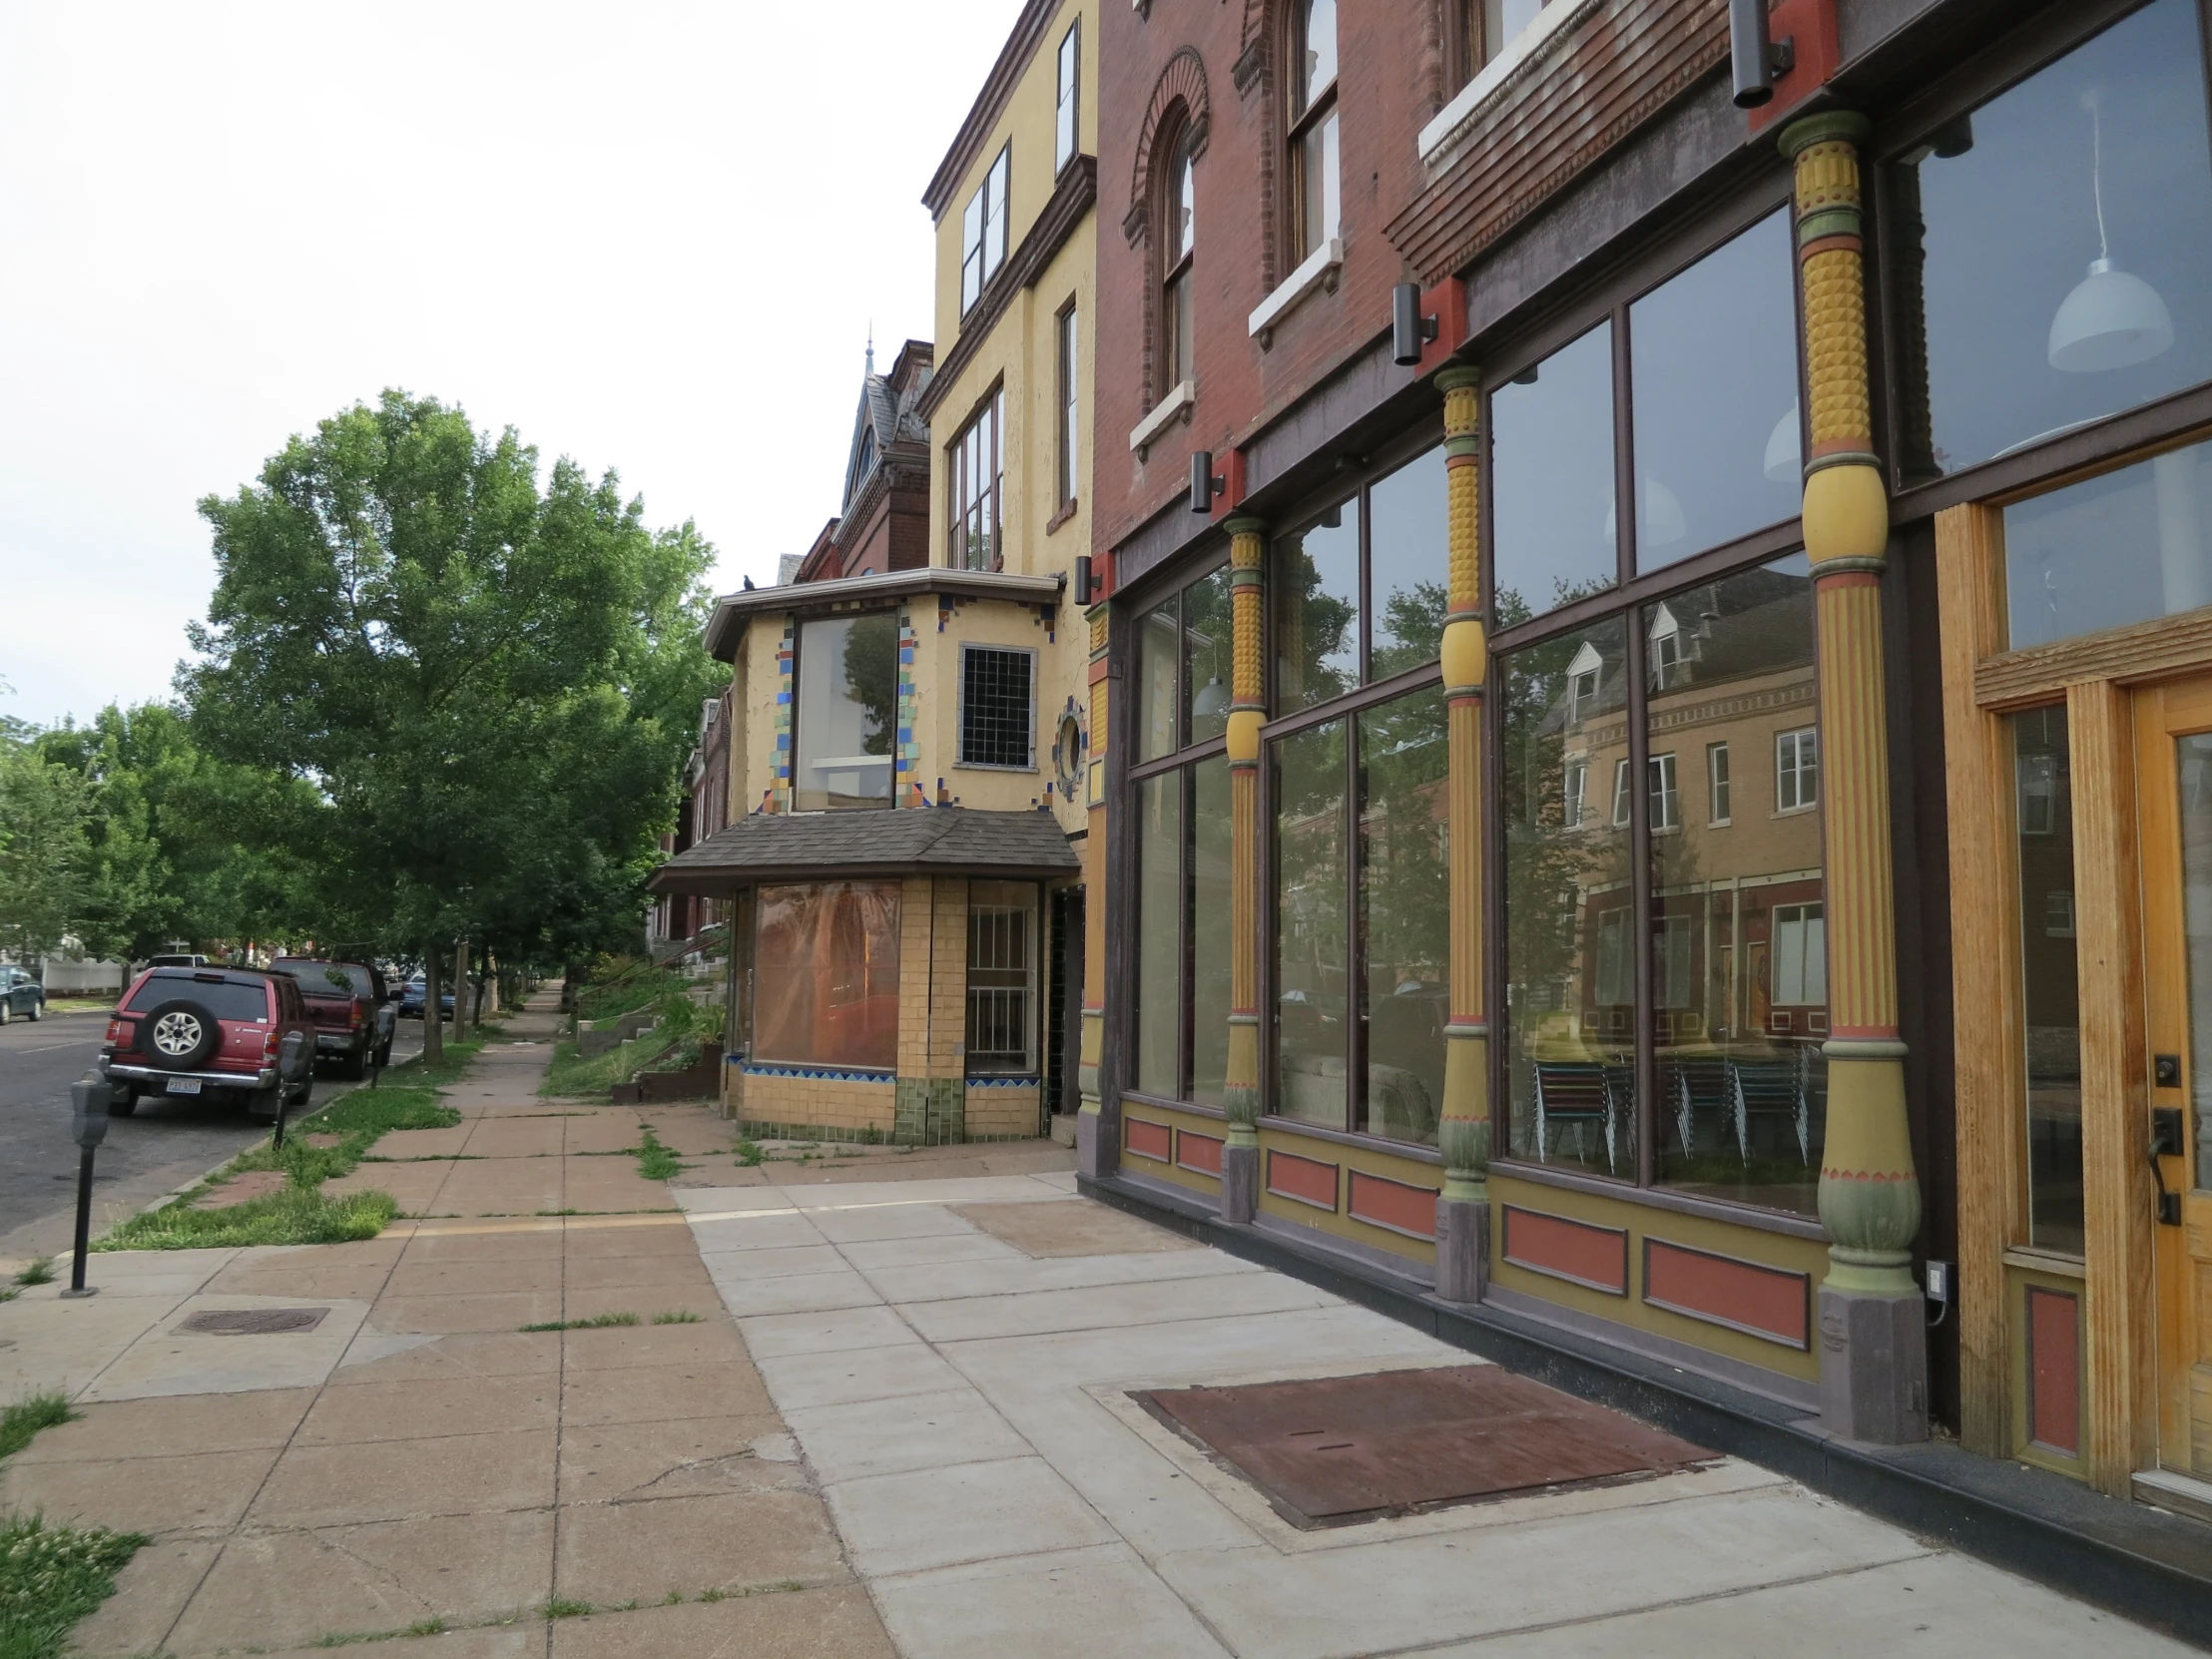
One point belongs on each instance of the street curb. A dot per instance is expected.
(2142, 1563)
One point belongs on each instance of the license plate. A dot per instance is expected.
(184, 1085)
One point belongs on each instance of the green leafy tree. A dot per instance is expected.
(43, 809)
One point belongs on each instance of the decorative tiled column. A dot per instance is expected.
(1873, 1333)
(1240, 1159)
(1464, 1126)
(1095, 1154)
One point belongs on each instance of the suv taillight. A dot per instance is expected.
(271, 1041)
(119, 1032)
(360, 1013)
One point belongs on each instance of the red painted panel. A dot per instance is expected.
(2054, 1370)
(1198, 1152)
(1593, 1255)
(1148, 1140)
(1767, 1301)
(1394, 1204)
(1304, 1179)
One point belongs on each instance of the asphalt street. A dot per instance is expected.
(168, 1143)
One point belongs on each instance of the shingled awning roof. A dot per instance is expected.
(914, 840)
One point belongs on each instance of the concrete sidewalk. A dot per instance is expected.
(956, 1358)
(416, 1459)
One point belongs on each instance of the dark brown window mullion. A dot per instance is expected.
(1187, 936)
(1490, 861)
(1627, 509)
(1365, 593)
(1356, 927)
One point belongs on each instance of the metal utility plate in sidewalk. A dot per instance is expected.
(1337, 1450)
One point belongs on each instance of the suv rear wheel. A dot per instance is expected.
(179, 1033)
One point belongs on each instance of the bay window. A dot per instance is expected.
(846, 712)
(826, 974)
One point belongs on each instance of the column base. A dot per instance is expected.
(1096, 1153)
(1462, 1249)
(1874, 1366)
(1240, 1183)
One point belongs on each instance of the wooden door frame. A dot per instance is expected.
(1983, 683)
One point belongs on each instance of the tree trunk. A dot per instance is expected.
(460, 987)
(433, 1029)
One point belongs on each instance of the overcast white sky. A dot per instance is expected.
(647, 233)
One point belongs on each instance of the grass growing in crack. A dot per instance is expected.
(348, 1638)
(52, 1576)
(680, 1316)
(654, 1161)
(40, 1272)
(20, 1421)
(301, 1212)
(560, 1607)
(750, 1152)
(597, 1321)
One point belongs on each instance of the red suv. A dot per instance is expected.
(344, 1001)
(209, 1031)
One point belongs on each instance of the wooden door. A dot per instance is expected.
(2173, 755)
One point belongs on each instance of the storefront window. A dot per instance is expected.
(2127, 546)
(826, 974)
(1159, 635)
(1551, 479)
(1739, 938)
(1159, 934)
(1317, 610)
(2050, 978)
(1405, 933)
(2050, 249)
(1360, 592)
(1409, 564)
(1571, 1015)
(1211, 932)
(1714, 388)
(1311, 932)
(1002, 977)
(847, 671)
(1209, 641)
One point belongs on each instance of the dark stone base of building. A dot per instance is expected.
(2140, 1563)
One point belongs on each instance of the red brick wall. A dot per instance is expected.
(1391, 81)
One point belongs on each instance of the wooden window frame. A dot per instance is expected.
(988, 207)
(1067, 98)
(1306, 115)
(1066, 350)
(1176, 296)
(965, 493)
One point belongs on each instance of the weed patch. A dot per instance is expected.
(560, 1607)
(680, 1316)
(40, 1272)
(52, 1576)
(20, 1421)
(597, 1321)
(293, 1215)
(750, 1152)
(654, 1161)
(422, 1627)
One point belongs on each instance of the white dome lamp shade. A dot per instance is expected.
(1664, 525)
(1212, 701)
(2112, 318)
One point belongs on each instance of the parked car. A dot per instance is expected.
(177, 961)
(411, 997)
(344, 999)
(20, 994)
(226, 1032)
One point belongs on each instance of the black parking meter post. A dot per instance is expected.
(89, 1098)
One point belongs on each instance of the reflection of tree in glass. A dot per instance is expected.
(1413, 620)
(1210, 637)
(1402, 830)
(1309, 780)
(871, 679)
(1314, 629)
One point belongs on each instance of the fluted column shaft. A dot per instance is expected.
(1873, 1352)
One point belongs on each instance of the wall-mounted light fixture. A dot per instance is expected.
(1754, 56)
(1206, 483)
(1082, 578)
(1410, 330)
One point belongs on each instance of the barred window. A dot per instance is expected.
(995, 703)
(1001, 976)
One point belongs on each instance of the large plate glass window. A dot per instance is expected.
(2049, 249)
(1709, 406)
(1182, 934)
(1666, 953)
(847, 670)
(826, 974)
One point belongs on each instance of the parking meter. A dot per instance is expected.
(293, 1062)
(388, 1025)
(89, 1099)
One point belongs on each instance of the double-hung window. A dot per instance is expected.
(1066, 136)
(1314, 128)
(1066, 356)
(983, 230)
(1796, 769)
(1178, 248)
(977, 472)
(1716, 784)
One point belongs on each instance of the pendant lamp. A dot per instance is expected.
(1212, 699)
(2113, 319)
(1664, 523)
(1785, 457)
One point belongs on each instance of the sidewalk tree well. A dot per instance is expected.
(489, 672)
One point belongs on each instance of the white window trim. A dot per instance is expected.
(1319, 269)
(1814, 804)
(1179, 400)
(1712, 785)
(1442, 136)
